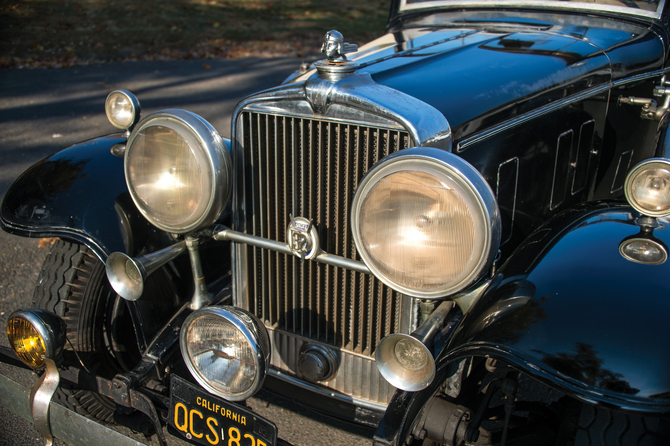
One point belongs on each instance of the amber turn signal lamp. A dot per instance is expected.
(35, 334)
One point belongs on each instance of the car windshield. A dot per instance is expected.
(651, 8)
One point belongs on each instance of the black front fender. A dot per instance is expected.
(570, 310)
(567, 309)
(79, 194)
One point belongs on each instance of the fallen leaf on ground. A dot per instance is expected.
(47, 242)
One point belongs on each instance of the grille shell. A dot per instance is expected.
(309, 167)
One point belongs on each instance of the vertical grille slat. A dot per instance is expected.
(264, 211)
(312, 295)
(255, 224)
(288, 203)
(311, 168)
(277, 302)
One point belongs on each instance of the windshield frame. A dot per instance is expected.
(580, 6)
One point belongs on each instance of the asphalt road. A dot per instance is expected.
(43, 111)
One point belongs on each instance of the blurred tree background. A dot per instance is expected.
(63, 33)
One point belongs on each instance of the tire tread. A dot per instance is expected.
(600, 426)
(69, 276)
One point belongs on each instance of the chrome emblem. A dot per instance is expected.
(302, 238)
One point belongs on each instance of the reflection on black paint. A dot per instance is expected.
(524, 317)
(514, 301)
(584, 365)
(31, 197)
(529, 46)
(56, 177)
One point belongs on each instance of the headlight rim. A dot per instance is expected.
(633, 175)
(251, 332)
(469, 178)
(212, 149)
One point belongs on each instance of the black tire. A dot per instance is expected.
(73, 285)
(599, 426)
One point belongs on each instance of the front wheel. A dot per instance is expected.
(73, 285)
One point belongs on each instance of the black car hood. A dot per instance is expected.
(482, 70)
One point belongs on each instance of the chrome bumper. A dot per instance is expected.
(66, 425)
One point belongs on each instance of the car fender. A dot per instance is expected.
(569, 310)
(79, 194)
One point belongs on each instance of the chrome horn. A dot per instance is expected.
(127, 274)
(405, 361)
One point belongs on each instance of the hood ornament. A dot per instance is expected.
(336, 49)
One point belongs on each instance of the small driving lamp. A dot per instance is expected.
(36, 334)
(122, 109)
(647, 187)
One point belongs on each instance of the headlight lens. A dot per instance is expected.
(648, 187)
(122, 109)
(178, 171)
(227, 351)
(34, 334)
(426, 222)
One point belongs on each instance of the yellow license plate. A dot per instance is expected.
(201, 418)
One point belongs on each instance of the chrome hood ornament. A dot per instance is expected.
(336, 49)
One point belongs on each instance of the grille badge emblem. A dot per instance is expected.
(302, 238)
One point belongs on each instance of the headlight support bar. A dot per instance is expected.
(222, 233)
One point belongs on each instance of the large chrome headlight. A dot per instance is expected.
(647, 187)
(426, 222)
(178, 171)
(227, 351)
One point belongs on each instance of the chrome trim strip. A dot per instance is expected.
(640, 77)
(361, 93)
(302, 109)
(466, 143)
(221, 233)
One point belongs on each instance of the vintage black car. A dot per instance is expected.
(456, 233)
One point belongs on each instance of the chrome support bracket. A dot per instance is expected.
(222, 233)
(201, 296)
(40, 399)
(650, 108)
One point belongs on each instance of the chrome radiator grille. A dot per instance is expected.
(311, 168)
